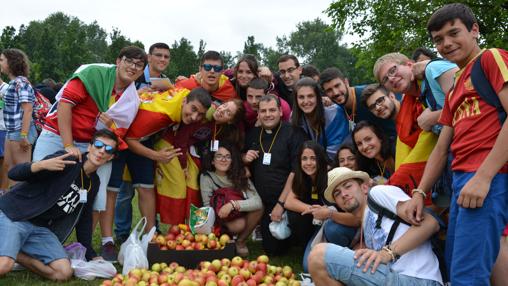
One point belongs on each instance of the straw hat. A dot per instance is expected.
(339, 175)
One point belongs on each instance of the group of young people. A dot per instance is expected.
(293, 144)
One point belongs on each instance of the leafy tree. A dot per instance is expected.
(118, 41)
(253, 48)
(318, 44)
(183, 59)
(201, 50)
(386, 26)
(229, 59)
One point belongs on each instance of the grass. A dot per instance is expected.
(25, 277)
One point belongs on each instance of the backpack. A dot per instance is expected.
(40, 110)
(437, 240)
(222, 196)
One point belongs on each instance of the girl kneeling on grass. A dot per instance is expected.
(225, 169)
(307, 207)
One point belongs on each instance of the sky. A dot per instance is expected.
(223, 25)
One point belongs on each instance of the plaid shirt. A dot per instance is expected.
(19, 91)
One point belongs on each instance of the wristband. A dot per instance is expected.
(420, 191)
(389, 250)
(68, 145)
(330, 213)
(281, 203)
(23, 134)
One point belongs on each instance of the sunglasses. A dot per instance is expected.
(107, 148)
(209, 67)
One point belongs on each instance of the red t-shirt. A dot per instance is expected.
(84, 112)
(476, 124)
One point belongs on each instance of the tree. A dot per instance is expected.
(386, 26)
(183, 59)
(253, 48)
(318, 44)
(118, 41)
(228, 58)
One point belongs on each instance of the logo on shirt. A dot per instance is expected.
(69, 201)
(468, 108)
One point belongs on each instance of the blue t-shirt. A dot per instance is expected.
(432, 72)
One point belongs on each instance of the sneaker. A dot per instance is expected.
(241, 249)
(18, 267)
(256, 234)
(120, 239)
(108, 252)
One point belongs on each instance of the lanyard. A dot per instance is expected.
(353, 109)
(381, 170)
(273, 140)
(215, 132)
(82, 183)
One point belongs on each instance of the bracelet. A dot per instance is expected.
(23, 134)
(233, 205)
(330, 213)
(419, 191)
(388, 249)
(68, 145)
(281, 203)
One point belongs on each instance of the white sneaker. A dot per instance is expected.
(256, 234)
(18, 267)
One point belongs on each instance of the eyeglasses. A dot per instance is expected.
(139, 65)
(289, 70)
(209, 67)
(220, 157)
(376, 103)
(107, 148)
(159, 55)
(391, 73)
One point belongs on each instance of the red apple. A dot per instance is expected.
(212, 244)
(216, 265)
(236, 280)
(251, 282)
(189, 237)
(174, 230)
(226, 262)
(261, 267)
(237, 261)
(263, 259)
(258, 276)
(245, 273)
(171, 244)
(179, 247)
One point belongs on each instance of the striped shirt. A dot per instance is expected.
(19, 91)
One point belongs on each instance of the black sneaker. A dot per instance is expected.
(108, 252)
(120, 239)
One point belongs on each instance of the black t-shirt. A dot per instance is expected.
(66, 204)
(269, 180)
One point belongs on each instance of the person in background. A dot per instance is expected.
(346, 157)
(18, 106)
(423, 54)
(310, 71)
(4, 180)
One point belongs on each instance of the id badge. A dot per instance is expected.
(82, 195)
(214, 145)
(267, 158)
(352, 125)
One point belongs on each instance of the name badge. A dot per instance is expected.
(352, 125)
(214, 145)
(82, 195)
(267, 158)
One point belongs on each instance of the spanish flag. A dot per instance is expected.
(225, 92)
(157, 111)
(413, 147)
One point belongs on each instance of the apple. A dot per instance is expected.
(212, 244)
(173, 265)
(268, 279)
(216, 264)
(226, 278)
(251, 282)
(199, 246)
(258, 276)
(224, 239)
(280, 283)
(226, 262)
(211, 283)
(178, 277)
(236, 280)
(189, 237)
(243, 283)
(162, 278)
(171, 244)
(263, 259)
(287, 271)
(233, 271)
(180, 269)
(211, 236)
(145, 277)
(164, 247)
(174, 230)
(179, 238)
(272, 269)
(156, 267)
(245, 273)
(252, 266)
(187, 282)
(222, 283)
(189, 248)
(153, 280)
(179, 247)
(237, 261)
(142, 283)
(170, 236)
(261, 267)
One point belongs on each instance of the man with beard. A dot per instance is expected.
(407, 259)
(336, 87)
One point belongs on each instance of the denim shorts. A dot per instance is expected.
(2, 142)
(341, 266)
(16, 135)
(35, 241)
(142, 169)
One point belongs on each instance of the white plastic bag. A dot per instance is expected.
(92, 269)
(133, 251)
(280, 229)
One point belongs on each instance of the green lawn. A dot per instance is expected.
(293, 259)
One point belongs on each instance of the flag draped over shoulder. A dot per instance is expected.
(413, 147)
(157, 111)
(225, 92)
(99, 80)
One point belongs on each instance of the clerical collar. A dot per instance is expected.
(268, 131)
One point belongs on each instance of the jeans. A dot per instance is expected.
(123, 210)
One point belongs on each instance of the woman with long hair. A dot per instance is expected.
(244, 71)
(326, 125)
(307, 208)
(225, 169)
(375, 152)
(346, 157)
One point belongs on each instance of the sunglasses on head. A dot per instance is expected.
(107, 148)
(209, 67)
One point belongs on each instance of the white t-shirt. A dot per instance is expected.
(420, 262)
